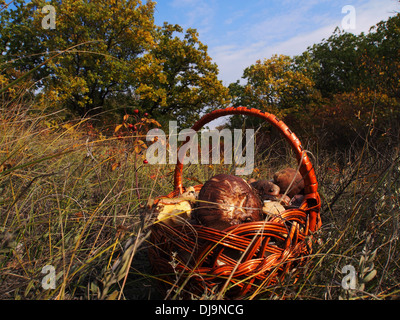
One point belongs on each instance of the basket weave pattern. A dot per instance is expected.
(243, 259)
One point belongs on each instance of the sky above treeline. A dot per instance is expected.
(238, 32)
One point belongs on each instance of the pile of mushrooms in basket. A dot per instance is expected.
(227, 200)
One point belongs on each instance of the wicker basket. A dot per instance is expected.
(197, 260)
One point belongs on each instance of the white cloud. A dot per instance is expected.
(373, 12)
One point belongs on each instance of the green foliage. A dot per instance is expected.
(348, 62)
(276, 85)
(338, 58)
(19, 45)
(108, 41)
(187, 82)
(109, 55)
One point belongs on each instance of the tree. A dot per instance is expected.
(18, 39)
(102, 43)
(338, 58)
(358, 78)
(348, 62)
(339, 92)
(381, 57)
(107, 52)
(110, 40)
(188, 82)
(277, 85)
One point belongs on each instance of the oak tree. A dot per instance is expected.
(109, 54)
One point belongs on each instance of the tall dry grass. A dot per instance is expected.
(69, 198)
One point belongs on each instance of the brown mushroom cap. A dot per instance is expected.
(265, 188)
(227, 200)
(284, 178)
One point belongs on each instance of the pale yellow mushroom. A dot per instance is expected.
(273, 208)
(174, 213)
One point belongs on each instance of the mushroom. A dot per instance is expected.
(190, 194)
(175, 211)
(289, 181)
(227, 200)
(273, 208)
(267, 190)
(297, 200)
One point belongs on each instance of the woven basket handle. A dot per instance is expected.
(306, 168)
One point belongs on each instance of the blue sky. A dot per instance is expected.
(239, 32)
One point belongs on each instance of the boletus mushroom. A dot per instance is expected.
(269, 191)
(289, 180)
(226, 200)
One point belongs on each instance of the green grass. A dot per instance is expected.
(71, 197)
